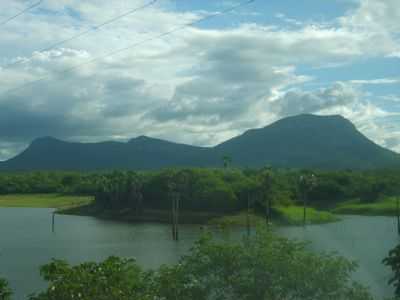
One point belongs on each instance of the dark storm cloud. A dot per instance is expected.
(72, 106)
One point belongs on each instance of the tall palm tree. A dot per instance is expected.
(267, 191)
(307, 183)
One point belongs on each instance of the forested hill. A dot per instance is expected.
(304, 141)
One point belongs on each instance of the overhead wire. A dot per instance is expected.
(20, 13)
(134, 45)
(93, 28)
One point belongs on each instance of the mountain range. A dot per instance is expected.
(303, 141)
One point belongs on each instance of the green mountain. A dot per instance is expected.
(309, 141)
(304, 141)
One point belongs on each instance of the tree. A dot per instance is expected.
(260, 268)
(5, 292)
(393, 261)
(266, 188)
(307, 183)
(112, 279)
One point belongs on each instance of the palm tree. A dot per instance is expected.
(266, 180)
(307, 183)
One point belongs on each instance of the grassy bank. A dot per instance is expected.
(293, 215)
(43, 200)
(282, 215)
(386, 207)
(239, 219)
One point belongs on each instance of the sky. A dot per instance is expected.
(196, 72)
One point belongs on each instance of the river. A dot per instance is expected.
(27, 242)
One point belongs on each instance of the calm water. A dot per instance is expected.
(26, 242)
(366, 240)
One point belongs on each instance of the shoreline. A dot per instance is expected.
(290, 216)
(148, 215)
(384, 208)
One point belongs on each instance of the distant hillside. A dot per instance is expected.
(310, 141)
(328, 142)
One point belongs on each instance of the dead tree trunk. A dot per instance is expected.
(398, 215)
(248, 216)
(304, 208)
(52, 222)
(175, 216)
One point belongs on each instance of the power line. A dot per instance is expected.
(20, 13)
(94, 28)
(134, 45)
(100, 25)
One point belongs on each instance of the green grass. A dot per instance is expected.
(386, 207)
(293, 215)
(284, 215)
(43, 200)
(239, 219)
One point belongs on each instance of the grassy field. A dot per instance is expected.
(386, 207)
(43, 200)
(293, 215)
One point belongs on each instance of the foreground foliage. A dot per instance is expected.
(393, 261)
(5, 292)
(262, 267)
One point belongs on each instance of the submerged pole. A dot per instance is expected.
(52, 222)
(173, 218)
(304, 210)
(248, 216)
(398, 215)
(177, 218)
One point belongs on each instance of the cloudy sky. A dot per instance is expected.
(196, 72)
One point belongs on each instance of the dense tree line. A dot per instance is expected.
(263, 266)
(207, 189)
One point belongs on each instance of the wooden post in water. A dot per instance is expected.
(304, 209)
(175, 216)
(52, 222)
(177, 198)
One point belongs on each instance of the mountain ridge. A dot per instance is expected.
(302, 141)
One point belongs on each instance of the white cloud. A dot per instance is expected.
(198, 86)
(376, 81)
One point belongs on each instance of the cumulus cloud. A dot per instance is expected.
(199, 85)
(299, 102)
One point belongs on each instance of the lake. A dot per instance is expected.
(364, 239)
(27, 242)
